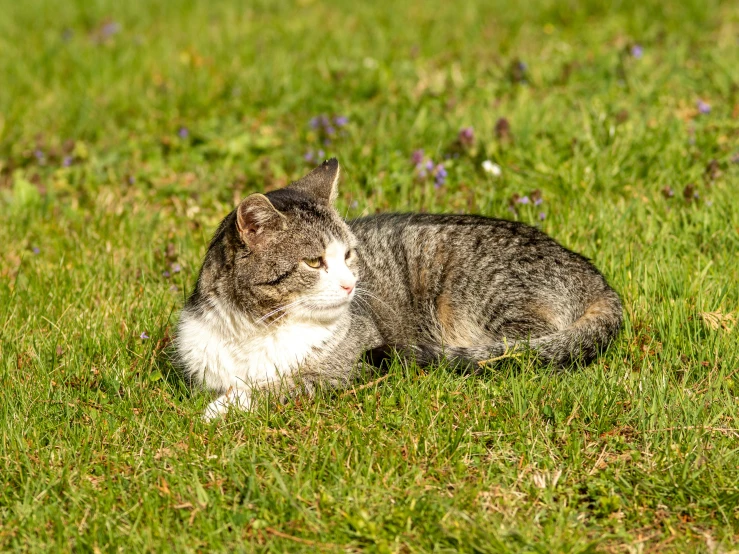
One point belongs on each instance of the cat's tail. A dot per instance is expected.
(580, 342)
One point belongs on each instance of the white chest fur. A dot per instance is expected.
(222, 349)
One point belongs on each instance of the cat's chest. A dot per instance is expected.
(271, 351)
(222, 350)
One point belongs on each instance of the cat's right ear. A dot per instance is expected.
(256, 218)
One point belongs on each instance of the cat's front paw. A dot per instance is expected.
(238, 400)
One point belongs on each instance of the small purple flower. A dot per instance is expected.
(466, 136)
(354, 205)
(429, 165)
(522, 66)
(417, 156)
(542, 216)
(703, 107)
(441, 175)
(144, 336)
(131, 179)
(319, 121)
(36, 250)
(183, 132)
(523, 200)
(39, 155)
(176, 268)
(165, 273)
(341, 120)
(538, 201)
(67, 161)
(110, 29)
(637, 51)
(309, 156)
(321, 154)
(330, 131)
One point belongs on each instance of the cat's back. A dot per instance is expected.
(473, 238)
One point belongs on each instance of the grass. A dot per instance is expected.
(128, 129)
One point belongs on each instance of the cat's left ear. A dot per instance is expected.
(257, 220)
(321, 183)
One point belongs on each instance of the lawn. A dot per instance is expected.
(129, 129)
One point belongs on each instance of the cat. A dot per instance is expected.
(290, 296)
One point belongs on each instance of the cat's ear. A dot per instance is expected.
(321, 183)
(255, 218)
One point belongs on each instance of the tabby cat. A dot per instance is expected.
(290, 296)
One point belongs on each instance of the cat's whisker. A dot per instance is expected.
(368, 293)
(363, 302)
(291, 309)
(283, 307)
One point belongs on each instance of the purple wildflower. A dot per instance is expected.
(36, 250)
(523, 200)
(341, 120)
(429, 165)
(417, 156)
(165, 273)
(637, 51)
(542, 216)
(144, 336)
(131, 179)
(309, 156)
(354, 205)
(319, 121)
(67, 161)
(538, 201)
(703, 107)
(40, 156)
(176, 268)
(466, 136)
(110, 29)
(441, 175)
(183, 132)
(321, 154)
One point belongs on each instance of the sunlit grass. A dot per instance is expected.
(128, 130)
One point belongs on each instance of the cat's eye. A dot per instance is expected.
(315, 263)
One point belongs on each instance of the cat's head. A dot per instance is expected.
(291, 254)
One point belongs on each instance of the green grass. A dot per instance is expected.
(102, 446)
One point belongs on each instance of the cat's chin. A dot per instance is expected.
(327, 313)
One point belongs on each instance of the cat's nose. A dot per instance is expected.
(348, 288)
